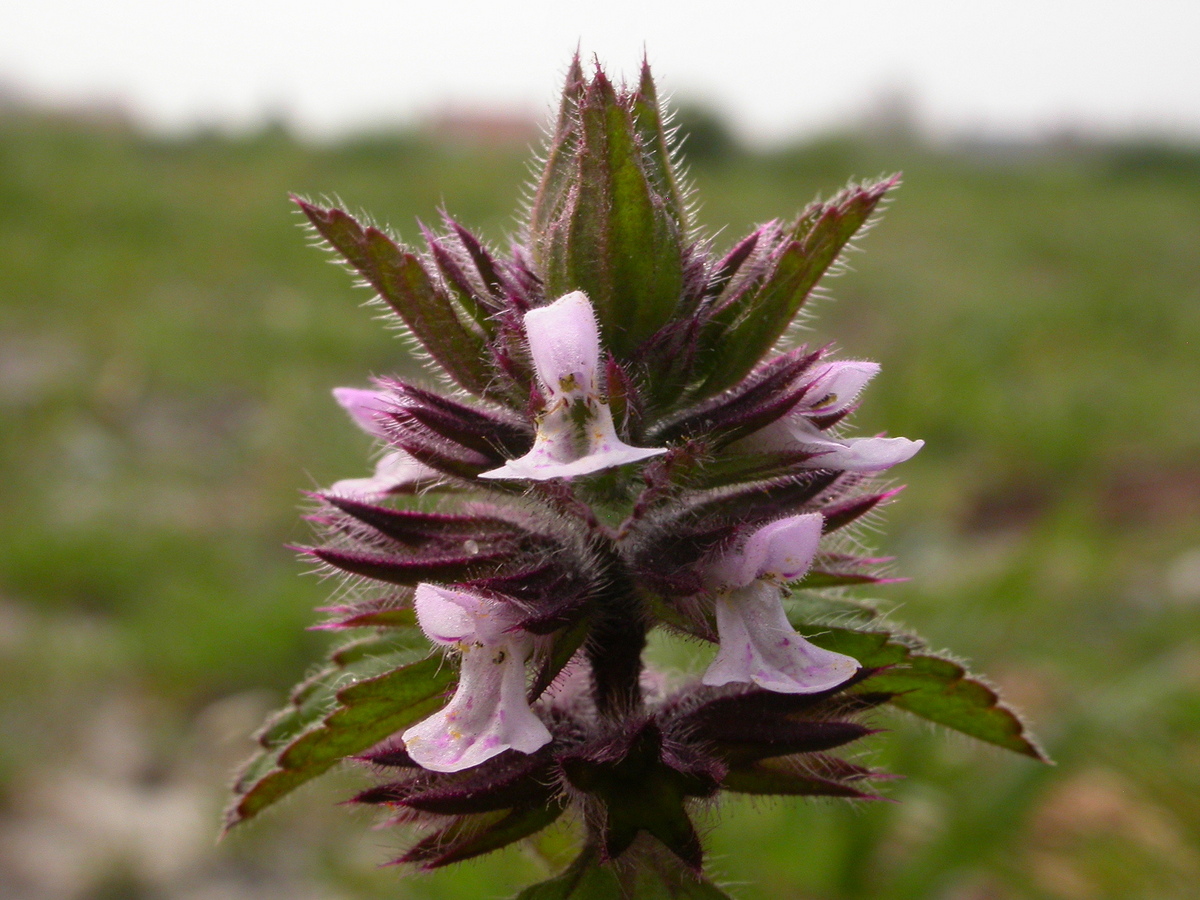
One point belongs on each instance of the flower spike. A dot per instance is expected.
(570, 575)
(575, 431)
(758, 646)
(488, 713)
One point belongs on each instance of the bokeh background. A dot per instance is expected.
(168, 343)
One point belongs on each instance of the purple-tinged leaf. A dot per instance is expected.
(402, 281)
(749, 328)
(657, 157)
(556, 178)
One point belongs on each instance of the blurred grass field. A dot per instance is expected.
(167, 347)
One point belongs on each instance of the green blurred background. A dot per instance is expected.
(167, 347)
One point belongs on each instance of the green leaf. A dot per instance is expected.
(363, 714)
(401, 280)
(742, 332)
(313, 697)
(930, 686)
(615, 241)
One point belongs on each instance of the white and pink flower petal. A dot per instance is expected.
(866, 455)
(564, 341)
(395, 471)
(758, 646)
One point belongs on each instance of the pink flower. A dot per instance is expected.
(575, 432)
(489, 712)
(758, 645)
(834, 387)
(396, 470)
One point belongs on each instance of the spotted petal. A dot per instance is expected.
(489, 712)
(757, 644)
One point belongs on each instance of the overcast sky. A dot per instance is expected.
(775, 68)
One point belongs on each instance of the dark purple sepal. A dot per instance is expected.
(498, 284)
(418, 529)
(407, 571)
(741, 742)
(767, 394)
(548, 593)
(390, 754)
(506, 781)
(641, 784)
(839, 515)
(380, 612)
(460, 275)
(732, 263)
(495, 434)
(438, 453)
